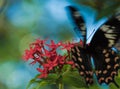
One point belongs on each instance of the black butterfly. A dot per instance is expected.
(106, 60)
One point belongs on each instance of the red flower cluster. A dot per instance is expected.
(47, 56)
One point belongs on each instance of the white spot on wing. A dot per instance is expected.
(78, 54)
(77, 14)
(110, 31)
(74, 58)
(77, 49)
(83, 32)
(113, 27)
(118, 17)
(111, 42)
(110, 36)
(105, 28)
(80, 59)
(82, 26)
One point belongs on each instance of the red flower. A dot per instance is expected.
(39, 42)
(28, 54)
(49, 53)
(81, 42)
(70, 62)
(61, 60)
(46, 55)
(33, 62)
(67, 46)
(52, 45)
(44, 72)
(50, 64)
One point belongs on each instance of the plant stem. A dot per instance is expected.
(61, 85)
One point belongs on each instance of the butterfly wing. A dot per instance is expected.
(106, 65)
(79, 55)
(108, 34)
(83, 64)
(77, 19)
(105, 59)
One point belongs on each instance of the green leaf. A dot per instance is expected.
(94, 86)
(110, 10)
(71, 87)
(50, 80)
(42, 84)
(103, 7)
(74, 79)
(34, 80)
(112, 86)
(66, 68)
(52, 77)
(117, 79)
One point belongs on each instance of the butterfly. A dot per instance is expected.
(106, 60)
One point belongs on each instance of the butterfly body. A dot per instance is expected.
(106, 60)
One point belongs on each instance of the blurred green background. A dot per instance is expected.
(22, 21)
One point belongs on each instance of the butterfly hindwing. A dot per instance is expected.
(106, 65)
(83, 64)
(78, 20)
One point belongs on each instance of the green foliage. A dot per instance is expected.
(103, 7)
(2, 86)
(73, 79)
(38, 83)
(117, 79)
(68, 78)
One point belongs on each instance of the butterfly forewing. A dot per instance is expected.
(78, 20)
(108, 33)
(83, 64)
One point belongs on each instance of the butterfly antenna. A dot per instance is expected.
(91, 34)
